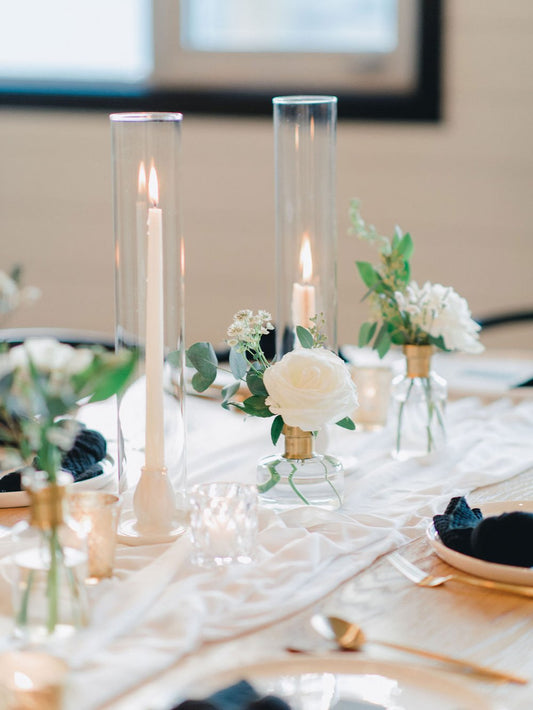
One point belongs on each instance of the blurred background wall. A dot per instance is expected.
(462, 187)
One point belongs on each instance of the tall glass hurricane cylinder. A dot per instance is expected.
(149, 265)
(306, 237)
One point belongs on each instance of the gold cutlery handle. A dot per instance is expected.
(519, 589)
(466, 665)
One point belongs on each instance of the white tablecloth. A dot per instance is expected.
(161, 607)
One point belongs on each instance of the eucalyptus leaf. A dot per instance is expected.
(346, 423)
(276, 429)
(200, 383)
(174, 358)
(305, 337)
(256, 407)
(229, 390)
(203, 358)
(255, 383)
(238, 364)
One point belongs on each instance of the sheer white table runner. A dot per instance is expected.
(160, 607)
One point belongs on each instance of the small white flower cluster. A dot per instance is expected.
(440, 311)
(246, 330)
(12, 295)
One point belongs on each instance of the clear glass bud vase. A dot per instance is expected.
(299, 476)
(49, 565)
(419, 406)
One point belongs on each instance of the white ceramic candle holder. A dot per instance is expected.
(149, 258)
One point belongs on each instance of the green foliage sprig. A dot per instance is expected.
(391, 323)
(42, 385)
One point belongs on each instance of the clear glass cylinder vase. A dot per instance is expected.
(149, 287)
(419, 406)
(49, 565)
(306, 233)
(300, 476)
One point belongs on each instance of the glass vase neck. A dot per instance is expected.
(418, 359)
(298, 443)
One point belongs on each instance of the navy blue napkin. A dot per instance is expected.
(83, 460)
(505, 539)
(240, 696)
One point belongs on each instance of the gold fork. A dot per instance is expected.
(423, 579)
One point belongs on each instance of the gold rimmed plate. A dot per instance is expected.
(349, 682)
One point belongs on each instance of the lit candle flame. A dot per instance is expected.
(153, 187)
(141, 184)
(22, 681)
(306, 259)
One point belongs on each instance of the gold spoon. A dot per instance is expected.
(350, 637)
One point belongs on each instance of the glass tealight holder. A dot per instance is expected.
(374, 393)
(306, 232)
(149, 283)
(223, 523)
(98, 513)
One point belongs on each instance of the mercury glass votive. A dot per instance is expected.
(373, 391)
(223, 523)
(306, 232)
(31, 681)
(98, 513)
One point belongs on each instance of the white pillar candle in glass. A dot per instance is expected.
(155, 443)
(304, 294)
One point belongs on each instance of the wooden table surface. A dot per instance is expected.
(481, 625)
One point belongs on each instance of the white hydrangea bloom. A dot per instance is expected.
(440, 311)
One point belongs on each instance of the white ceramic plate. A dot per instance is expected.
(352, 683)
(20, 499)
(479, 568)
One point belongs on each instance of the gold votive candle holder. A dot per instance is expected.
(31, 681)
(98, 514)
(373, 391)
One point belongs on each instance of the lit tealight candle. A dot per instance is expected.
(31, 681)
(155, 443)
(304, 294)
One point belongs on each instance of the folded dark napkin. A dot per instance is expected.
(82, 460)
(505, 538)
(240, 696)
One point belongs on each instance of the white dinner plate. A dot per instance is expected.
(352, 683)
(20, 499)
(488, 570)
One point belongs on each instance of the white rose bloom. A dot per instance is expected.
(49, 355)
(310, 388)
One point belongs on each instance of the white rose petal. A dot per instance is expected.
(310, 388)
